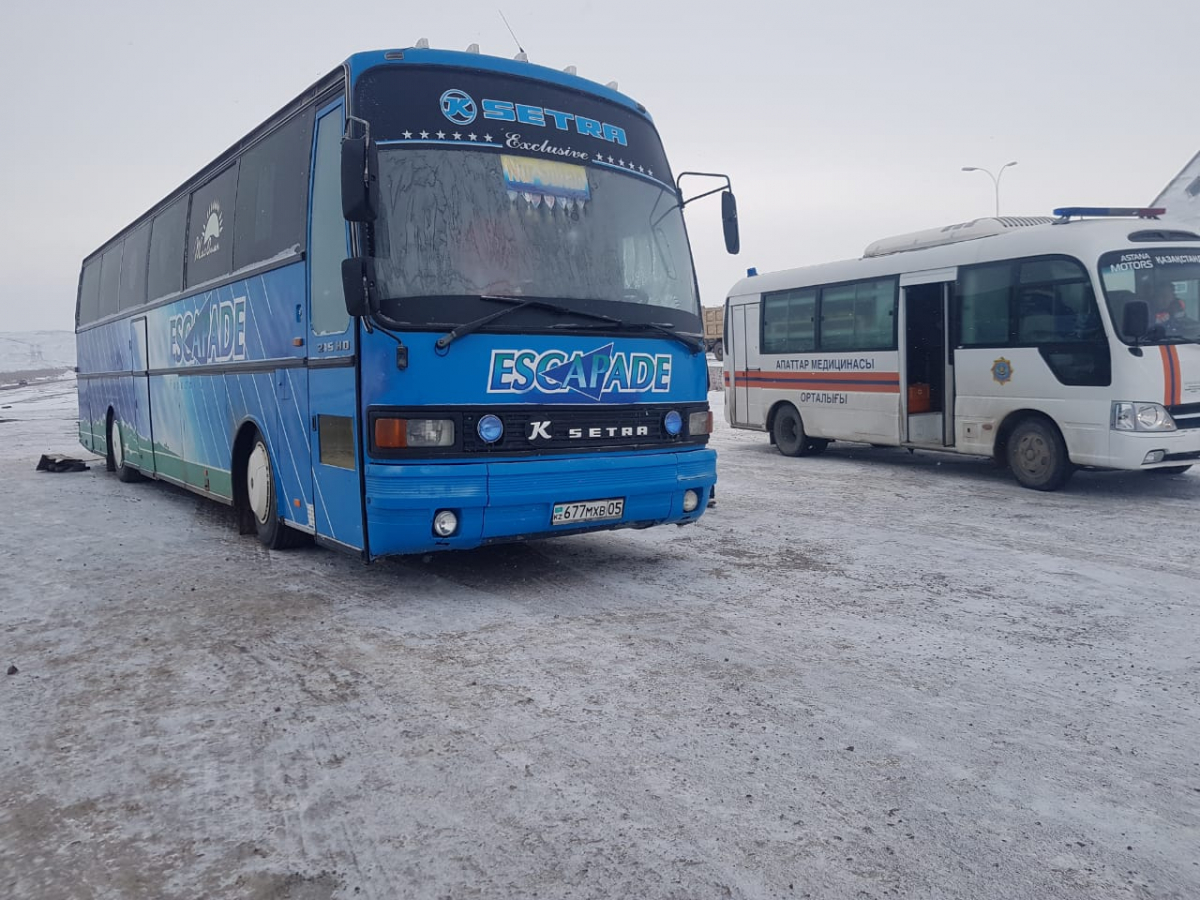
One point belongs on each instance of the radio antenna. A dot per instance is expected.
(510, 31)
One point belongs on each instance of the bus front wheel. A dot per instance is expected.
(790, 438)
(1037, 455)
(261, 500)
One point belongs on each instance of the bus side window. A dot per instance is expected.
(167, 238)
(89, 293)
(789, 321)
(1055, 303)
(272, 193)
(110, 279)
(984, 297)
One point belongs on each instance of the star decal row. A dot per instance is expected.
(600, 157)
(441, 136)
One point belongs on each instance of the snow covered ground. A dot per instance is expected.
(864, 675)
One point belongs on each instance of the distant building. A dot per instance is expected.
(1181, 196)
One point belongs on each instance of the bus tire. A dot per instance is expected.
(116, 461)
(1037, 455)
(261, 499)
(788, 431)
(1169, 470)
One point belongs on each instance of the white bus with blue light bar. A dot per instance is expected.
(438, 300)
(1049, 343)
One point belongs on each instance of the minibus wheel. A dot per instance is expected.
(788, 431)
(1037, 455)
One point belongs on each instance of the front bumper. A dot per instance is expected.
(508, 501)
(1128, 449)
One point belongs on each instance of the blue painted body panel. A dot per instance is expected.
(195, 414)
(499, 501)
(511, 498)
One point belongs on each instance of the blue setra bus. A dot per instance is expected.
(438, 300)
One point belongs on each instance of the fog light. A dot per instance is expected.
(490, 429)
(673, 422)
(1154, 456)
(691, 499)
(445, 523)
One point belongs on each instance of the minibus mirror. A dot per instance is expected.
(1135, 320)
(359, 286)
(733, 242)
(360, 178)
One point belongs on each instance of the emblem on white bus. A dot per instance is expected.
(1002, 371)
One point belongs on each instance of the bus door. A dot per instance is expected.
(332, 347)
(927, 364)
(747, 404)
(141, 450)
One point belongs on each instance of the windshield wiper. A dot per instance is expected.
(517, 303)
(662, 328)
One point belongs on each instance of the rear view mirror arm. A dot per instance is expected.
(679, 185)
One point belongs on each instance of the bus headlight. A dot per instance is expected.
(673, 422)
(490, 429)
(400, 434)
(1141, 417)
(691, 499)
(700, 423)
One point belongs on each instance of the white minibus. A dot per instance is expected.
(1049, 343)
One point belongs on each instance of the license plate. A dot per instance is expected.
(587, 511)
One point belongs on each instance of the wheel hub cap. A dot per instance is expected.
(258, 483)
(1033, 455)
(118, 450)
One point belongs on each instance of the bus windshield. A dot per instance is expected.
(461, 223)
(1166, 279)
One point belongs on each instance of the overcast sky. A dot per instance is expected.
(839, 122)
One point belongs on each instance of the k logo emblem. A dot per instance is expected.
(458, 107)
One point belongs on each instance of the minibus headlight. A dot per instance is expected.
(673, 422)
(1141, 417)
(401, 434)
(691, 499)
(700, 422)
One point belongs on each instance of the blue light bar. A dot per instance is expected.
(1067, 212)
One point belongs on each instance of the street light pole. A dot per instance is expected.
(995, 178)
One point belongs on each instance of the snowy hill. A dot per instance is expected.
(22, 351)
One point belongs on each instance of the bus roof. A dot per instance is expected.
(1085, 239)
(354, 66)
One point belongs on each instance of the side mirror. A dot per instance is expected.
(359, 286)
(1135, 320)
(360, 178)
(733, 242)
